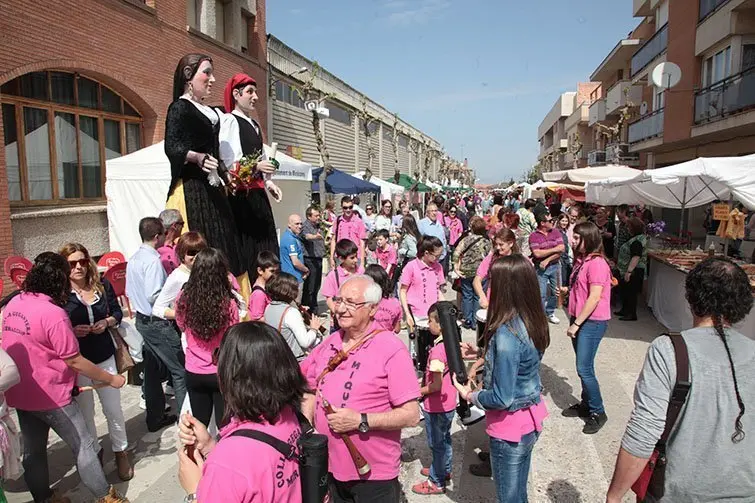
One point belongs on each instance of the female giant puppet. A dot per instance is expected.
(240, 135)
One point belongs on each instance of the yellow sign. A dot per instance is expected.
(721, 211)
(294, 152)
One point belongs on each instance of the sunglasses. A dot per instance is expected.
(83, 262)
(345, 208)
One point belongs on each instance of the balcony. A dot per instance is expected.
(647, 127)
(597, 112)
(596, 158)
(641, 8)
(621, 94)
(732, 95)
(653, 48)
(707, 7)
(618, 153)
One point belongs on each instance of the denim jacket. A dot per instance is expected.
(512, 370)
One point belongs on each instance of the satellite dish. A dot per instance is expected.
(644, 108)
(666, 75)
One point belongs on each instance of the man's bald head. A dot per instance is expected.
(294, 223)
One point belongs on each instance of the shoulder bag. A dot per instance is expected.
(653, 478)
(123, 360)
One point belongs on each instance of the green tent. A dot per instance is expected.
(408, 182)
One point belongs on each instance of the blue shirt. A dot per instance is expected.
(145, 276)
(291, 247)
(429, 228)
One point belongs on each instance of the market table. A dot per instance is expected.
(666, 296)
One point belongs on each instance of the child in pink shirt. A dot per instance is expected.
(267, 265)
(439, 408)
(385, 252)
(346, 251)
(388, 313)
(422, 280)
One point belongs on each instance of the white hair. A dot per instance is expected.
(373, 294)
(169, 217)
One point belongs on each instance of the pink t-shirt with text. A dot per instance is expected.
(378, 377)
(352, 229)
(423, 282)
(512, 426)
(445, 399)
(331, 284)
(39, 337)
(258, 302)
(388, 313)
(169, 258)
(455, 229)
(243, 470)
(386, 258)
(199, 351)
(593, 271)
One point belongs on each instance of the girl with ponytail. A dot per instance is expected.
(709, 452)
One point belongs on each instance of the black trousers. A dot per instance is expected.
(312, 283)
(365, 491)
(630, 292)
(205, 396)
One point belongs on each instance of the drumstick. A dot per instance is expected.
(77, 390)
(361, 464)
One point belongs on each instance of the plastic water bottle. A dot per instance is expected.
(712, 249)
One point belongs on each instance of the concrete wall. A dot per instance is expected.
(38, 231)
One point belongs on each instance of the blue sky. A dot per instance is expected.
(482, 77)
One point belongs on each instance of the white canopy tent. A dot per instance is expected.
(137, 187)
(583, 175)
(387, 189)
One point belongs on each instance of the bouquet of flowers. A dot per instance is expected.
(244, 174)
(656, 228)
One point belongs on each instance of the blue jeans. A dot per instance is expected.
(438, 430)
(586, 347)
(470, 302)
(510, 463)
(548, 281)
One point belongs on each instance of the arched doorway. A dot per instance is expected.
(59, 129)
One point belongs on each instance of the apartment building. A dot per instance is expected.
(85, 81)
(344, 130)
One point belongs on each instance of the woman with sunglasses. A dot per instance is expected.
(93, 308)
(384, 220)
(455, 225)
(369, 217)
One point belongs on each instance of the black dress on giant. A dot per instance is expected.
(205, 209)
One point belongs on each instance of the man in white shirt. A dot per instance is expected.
(162, 349)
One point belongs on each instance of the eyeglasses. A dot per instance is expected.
(349, 305)
(83, 262)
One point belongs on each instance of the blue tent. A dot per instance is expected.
(339, 182)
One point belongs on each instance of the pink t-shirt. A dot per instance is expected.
(423, 282)
(199, 351)
(352, 229)
(244, 470)
(445, 399)
(388, 313)
(378, 377)
(386, 258)
(38, 335)
(168, 257)
(595, 271)
(484, 268)
(512, 426)
(331, 284)
(455, 229)
(258, 302)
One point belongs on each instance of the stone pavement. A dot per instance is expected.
(567, 465)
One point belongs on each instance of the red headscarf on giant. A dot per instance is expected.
(236, 80)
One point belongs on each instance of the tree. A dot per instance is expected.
(427, 154)
(575, 147)
(534, 174)
(394, 144)
(414, 150)
(366, 121)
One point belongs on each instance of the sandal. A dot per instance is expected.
(427, 488)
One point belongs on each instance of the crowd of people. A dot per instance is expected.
(232, 324)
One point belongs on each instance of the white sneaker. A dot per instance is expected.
(476, 414)
(554, 319)
(143, 404)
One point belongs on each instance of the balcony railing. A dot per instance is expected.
(708, 6)
(596, 158)
(618, 153)
(648, 126)
(650, 50)
(730, 96)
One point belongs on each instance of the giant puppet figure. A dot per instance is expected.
(191, 144)
(241, 138)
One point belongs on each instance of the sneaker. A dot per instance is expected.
(577, 410)
(425, 472)
(166, 420)
(628, 318)
(481, 470)
(143, 405)
(475, 415)
(427, 487)
(594, 423)
(484, 456)
(554, 319)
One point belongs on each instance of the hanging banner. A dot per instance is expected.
(721, 212)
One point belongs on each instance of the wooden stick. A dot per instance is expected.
(361, 464)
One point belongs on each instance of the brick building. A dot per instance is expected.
(88, 80)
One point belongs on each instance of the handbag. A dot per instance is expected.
(312, 457)
(653, 477)
(123, 360)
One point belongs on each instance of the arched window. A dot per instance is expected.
(59, 129)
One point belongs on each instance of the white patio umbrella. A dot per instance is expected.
(583, 175)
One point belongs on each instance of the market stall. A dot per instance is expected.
(583, 175)
(668, 273)
(388, 190)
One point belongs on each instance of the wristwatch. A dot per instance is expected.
(190, 498)
(364, 426)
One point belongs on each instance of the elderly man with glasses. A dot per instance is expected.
(173, 223)
(547, 244)
(348, 226)
(364, 386)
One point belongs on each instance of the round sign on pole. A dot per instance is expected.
(666, 75)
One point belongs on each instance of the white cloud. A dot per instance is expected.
(405, 13)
